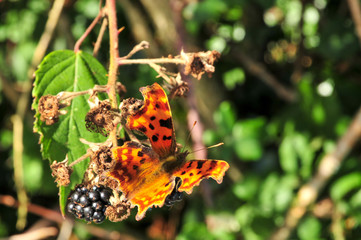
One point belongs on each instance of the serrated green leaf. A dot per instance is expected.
(67, 71)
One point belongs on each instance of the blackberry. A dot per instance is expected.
(89, 203)
(175, 196)
(94, 196)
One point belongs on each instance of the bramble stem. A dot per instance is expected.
(70, 95)
(82, 158)
(100, 37)
(148, 61)
(113, 65)
(86, 33)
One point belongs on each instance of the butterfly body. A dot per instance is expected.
(148, 175)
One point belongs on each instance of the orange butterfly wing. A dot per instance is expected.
(154, 119)
(194, 171)
(141, 179)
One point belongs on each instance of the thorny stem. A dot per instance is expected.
(148, 61)
(70, 95)
(89, 29)
(113, 65)
(100, 37)
(82, 158)
(142, 45)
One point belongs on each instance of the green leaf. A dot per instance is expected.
(247, 135)
(345, 184)
(310, 228)
(67, 71)
(234, 77)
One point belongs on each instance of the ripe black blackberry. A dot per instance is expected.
(175, 196)
(89, 204)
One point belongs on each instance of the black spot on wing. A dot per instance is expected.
(135, 167)
(152, 118)
(166, 123)
(151, 126)
(189, 164)
(140, 154)
(142, 161)
(184, 172)
(200, 164)
(154, 138)
(167, 138)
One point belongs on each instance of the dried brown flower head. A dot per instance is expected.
(100, 118)
(179, 90)
(130, 106)
(61, 171)
(102, 160)
(199, 63)
(49, 109)
(118, 211)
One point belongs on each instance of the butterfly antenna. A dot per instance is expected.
(213, 146)
(189, 136)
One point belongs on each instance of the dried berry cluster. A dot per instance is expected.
(89, 204)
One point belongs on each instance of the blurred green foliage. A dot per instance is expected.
(273, 146)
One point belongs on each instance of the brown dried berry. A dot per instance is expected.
(49, 109)
(179, 90)
(199, 63)
(61, 171)
(118, 212)
(130, 106)
(100, 119)
(101, 160)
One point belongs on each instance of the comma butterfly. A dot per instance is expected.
(148, 175)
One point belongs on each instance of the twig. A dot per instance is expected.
(82, 158)
(87, 31)
(259, 70)
(41, 233)
(22, 107)
(355, 10)
(18, 148)
(139, 47)
(45, 213)
(56, 216)
(327, 167)
(113, 66)
(100, 37)
(150, 60)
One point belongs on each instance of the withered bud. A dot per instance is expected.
(130, 106)
(102, 160)
(100, 119)
(118, 211)
(49, 109)
(179, 90)
(121, 89)
(61, 171)
(200, 63)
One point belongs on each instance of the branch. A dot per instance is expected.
(355, 10)
(328, 166)
(87, 31)
(260, 71)
(100, 37)
(150, 60)
(113, 65)
(22, 107)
